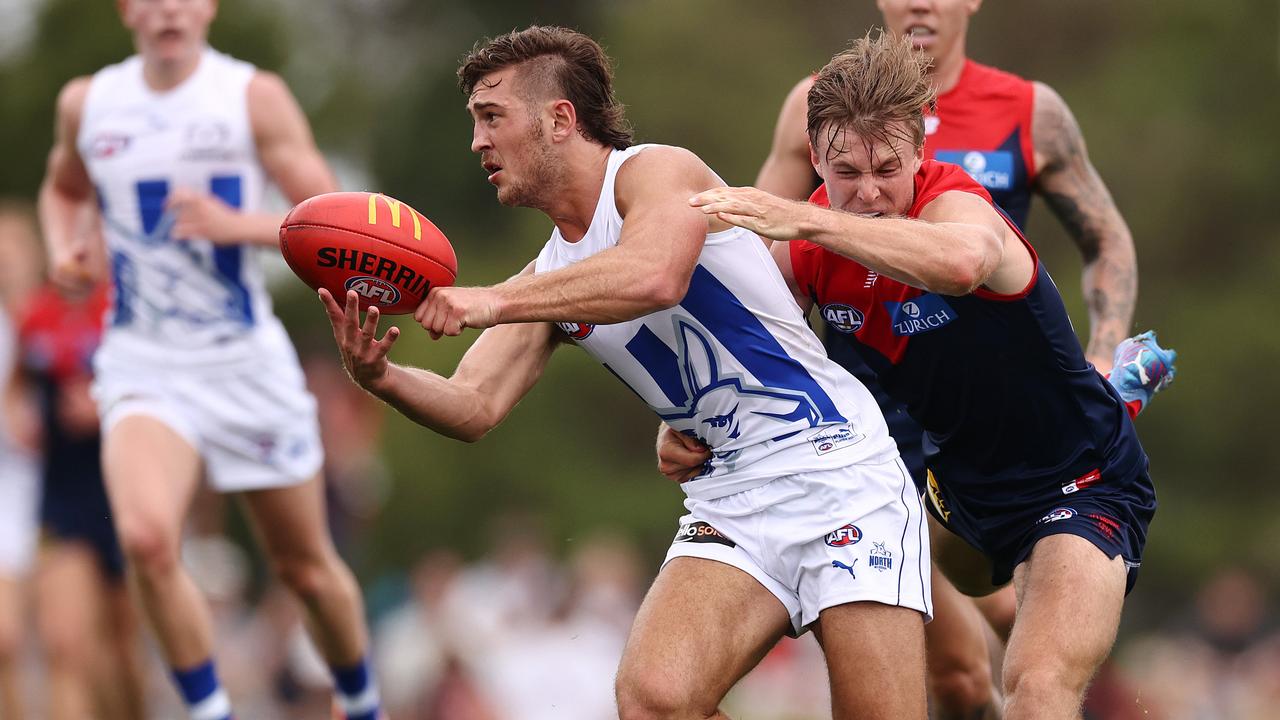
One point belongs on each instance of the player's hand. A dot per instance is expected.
(449, 310)
(756, 210)
(201, 215)
(363, 354)
(680, 457)
(71, 271)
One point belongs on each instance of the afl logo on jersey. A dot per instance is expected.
(108, 144)
(576, 331)
(843, 318)
(847, 535)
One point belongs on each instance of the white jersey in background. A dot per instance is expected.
(734, 364)
(176, 300)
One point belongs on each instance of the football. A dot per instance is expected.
(386, 251)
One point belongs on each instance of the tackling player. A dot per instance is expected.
(195, 378)
(1032, 457)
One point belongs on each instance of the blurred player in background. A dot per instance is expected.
(170, 151)
(19, 467)
(1017, 138)
(693, 316)
(1031, 455)
(88, 627)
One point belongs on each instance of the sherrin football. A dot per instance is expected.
(386, 251)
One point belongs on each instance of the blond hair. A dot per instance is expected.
(876, 90)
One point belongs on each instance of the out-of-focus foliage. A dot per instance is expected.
(1178, 103)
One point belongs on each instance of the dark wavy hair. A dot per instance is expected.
(556, 62)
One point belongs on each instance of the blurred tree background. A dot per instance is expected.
(1178, 103)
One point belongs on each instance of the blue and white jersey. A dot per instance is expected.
(180, 300)
(735, 364)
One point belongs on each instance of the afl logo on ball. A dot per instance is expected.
(847, 535)
(576, 331)
(380, 292)
(843, 318)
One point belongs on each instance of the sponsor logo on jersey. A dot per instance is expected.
(380, 292)
(880, 558)
(919, 315)
(842, 566)
(843, 318)
(108, 144)
(830, 439)
(208, 139)
(701, 532)
(576, 331)
(1092, 477)
(992, 169)
(845, 536)
(1055, 515)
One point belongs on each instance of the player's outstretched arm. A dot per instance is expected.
(287, 152)
(787, 171)
(492, 377)
(1080, 200)
(65, 204)
(648, 270)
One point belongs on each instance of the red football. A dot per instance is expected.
(383, 249)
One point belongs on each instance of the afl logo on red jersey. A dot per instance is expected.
(576, 331)
(843, 318)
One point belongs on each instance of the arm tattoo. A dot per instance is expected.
(1077, 196)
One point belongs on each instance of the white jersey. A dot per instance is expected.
(180, 301)
(734, 364)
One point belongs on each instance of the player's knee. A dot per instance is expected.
(649, 695)
(1043, 684)
(151, 546)
(307, 578)
(961, 689)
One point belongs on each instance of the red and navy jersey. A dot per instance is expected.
(983, 124)
(999, 383)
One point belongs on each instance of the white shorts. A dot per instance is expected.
(255, 426)
(19, 511)
(820, 539)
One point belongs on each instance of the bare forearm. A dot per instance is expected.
(940, 257)
(433, 401)
(61, 217)
(1110, 284)
(258, 228)
(609, 287)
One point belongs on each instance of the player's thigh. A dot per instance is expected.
(964, 565)
(956, 640)
(702, 625)
(11, 595)
(151, 472)
(876, 658)
(1070, 597)
(290, 521)
(1000, 609)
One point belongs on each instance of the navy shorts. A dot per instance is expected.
(74, 505)
(906, 432)
(1113, 514)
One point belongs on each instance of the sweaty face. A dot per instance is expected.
(508, 133)
(936, 26)
(168, 30)
(867, 176)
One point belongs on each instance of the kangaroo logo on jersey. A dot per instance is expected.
(921, 314)
(379, 291)
(576, 331)
(845, 536)
(880, 558)
(992, 169)
(843, 318)
(719, 402)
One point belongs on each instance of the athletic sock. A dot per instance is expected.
(204, 697)
(356, 691)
